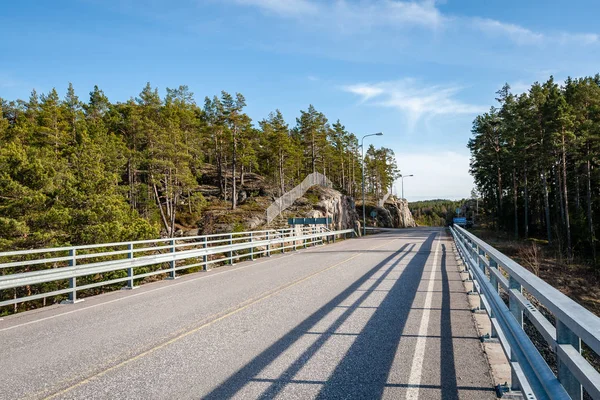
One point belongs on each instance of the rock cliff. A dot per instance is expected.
(394, 214)
(339, 207)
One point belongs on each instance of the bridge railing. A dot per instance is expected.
(45, 273)
(568, 329)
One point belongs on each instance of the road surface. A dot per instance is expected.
(379, 317)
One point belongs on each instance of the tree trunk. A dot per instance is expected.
(281, 177)
(566, 199)
(515, 198)
(162, 213)
(577, 193)
(526, 198)
(313, 158)
(589, 207)
(547, 207)
(499, 216)
(233, 167)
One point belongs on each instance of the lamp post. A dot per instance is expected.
(404, 176)
(362, 147)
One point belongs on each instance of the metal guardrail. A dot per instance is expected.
(66, 264)
(492, 272)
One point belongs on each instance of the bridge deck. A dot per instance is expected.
(383, 316)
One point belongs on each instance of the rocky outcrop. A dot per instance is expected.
(339, 207)
(394, 214)
(401, 215)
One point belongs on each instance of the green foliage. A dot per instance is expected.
(78, 172)
(434, 212)
(535, 163)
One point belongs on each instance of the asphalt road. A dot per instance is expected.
(379, 317)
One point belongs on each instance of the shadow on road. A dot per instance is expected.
(364, 370)
(448, 370)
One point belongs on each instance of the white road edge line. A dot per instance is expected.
(414, 381)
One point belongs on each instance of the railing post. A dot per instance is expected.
(294, 236)
(231, 251)
(482, 267)
(565, 336)
(282, 241)
(205, 257)
(73, 280)
(172, 272)
(251, 247)
(516, 311)
(268, 244)
(130, 269)
(494, 282)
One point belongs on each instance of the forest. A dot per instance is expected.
(534, 158)
(434, 212)
(77, 172)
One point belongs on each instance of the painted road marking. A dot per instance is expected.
(412, 393)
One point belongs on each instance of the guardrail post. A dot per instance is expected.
(268, 244)
(73, 280)
(231, 251)
(494, 282)
(516, 311)
(251, 247)
(283, 241)
(482, 267)
(205, 257)
(293, 233)
(172, 273)
(130, 269)
(564, 335)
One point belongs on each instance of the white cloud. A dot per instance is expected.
(283, 7)
(578, 38)
(523, 36)
(349, 16)
(437, 175)
(362, 16)
(516, 33)
(413, 98)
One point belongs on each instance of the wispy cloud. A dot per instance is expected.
(349, 15)
(283, 7)
(523, 36)
(413, 98)
(516, 33)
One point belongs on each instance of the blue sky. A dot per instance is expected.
(417, 70)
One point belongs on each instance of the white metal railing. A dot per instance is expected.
(492, 271)
(55, 271)
(282, 203)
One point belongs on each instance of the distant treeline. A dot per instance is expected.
(535, 161)
(434, 212)
(76, 172)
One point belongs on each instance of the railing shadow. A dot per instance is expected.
(369, 358)
(364, 370)
(447, 361)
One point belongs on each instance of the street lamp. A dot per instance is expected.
(404, 176)
(362, 147)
